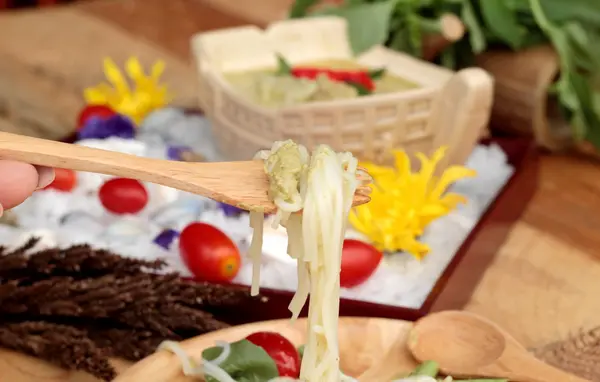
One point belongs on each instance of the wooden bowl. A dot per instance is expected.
(364, 343)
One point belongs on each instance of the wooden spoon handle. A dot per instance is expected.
(81, 158)
(537, 371)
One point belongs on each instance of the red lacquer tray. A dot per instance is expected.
(460, 278)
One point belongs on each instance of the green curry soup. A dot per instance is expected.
(315, 81)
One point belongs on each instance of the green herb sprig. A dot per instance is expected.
(246, 362)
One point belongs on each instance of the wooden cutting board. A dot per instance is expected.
(54, 53)
(15, 367)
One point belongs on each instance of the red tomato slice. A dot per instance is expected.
(209, 253)
(123, 196)
(359, 261)
(101, 111)
(281, 350)
(64, 180)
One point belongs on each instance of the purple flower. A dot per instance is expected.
(101, 128)
(166, 238)
(230, 210)
(176, 152)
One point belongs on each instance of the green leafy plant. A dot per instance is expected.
(571, 27)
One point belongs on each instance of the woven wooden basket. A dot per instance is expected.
(447, 109)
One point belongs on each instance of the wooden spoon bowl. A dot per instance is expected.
(467, 345)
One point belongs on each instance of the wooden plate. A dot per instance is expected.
(364, 343)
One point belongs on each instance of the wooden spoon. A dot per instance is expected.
(243, 184)
(466, 345)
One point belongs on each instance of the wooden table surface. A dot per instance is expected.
(541, 287)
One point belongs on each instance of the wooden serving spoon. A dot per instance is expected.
(466, 345)
(243, 184)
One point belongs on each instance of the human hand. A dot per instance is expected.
(19, 180)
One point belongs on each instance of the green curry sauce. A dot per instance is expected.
(269, 88)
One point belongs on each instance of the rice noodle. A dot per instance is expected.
(257, 222)
(188, 365)
(326, 187)
(224, 353)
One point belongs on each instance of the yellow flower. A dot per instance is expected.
(147, 93)
(403, 202)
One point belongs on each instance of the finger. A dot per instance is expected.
(45, 176)
(17, 182)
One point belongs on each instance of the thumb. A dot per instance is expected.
(17, 182)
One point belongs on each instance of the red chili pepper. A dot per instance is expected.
(358, 77)
(336, 75)
(310, 73)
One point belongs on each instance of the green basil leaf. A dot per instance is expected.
(376, 74)
(448, 58)
(360, 89)
(301, 351)
(368, 23)
(283, 67)
(427, 368)
(401, 43)
(354, 2)
(534, 38)
(559, 11)
(246, 363)
(415, 36)
(476, 35)
(502, 22)
(326, 10)
(300, 8)
(587, 114)
(585, 47)
(518, 5)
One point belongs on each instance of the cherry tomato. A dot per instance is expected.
(123, 196)
(359, 261)
(101, 111)
(64, 180)
(208, 253)
(281, 350)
